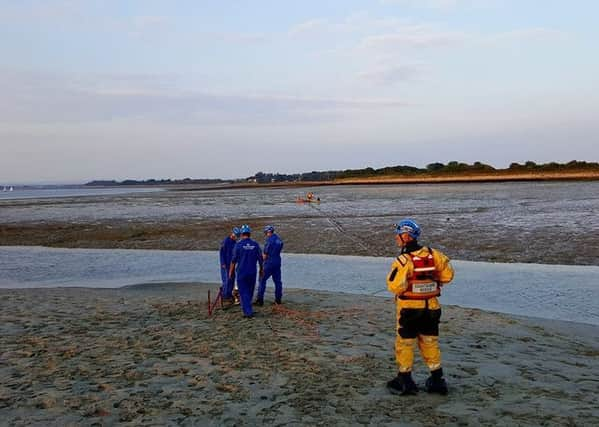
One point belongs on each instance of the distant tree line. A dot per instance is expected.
(434, 169)
(574, 165)
(112, 183)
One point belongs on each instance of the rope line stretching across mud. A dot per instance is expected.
(356, 239)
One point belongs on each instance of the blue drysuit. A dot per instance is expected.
(245, 256)
(272, 267)
(226, 255)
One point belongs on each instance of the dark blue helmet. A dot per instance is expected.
(236, 231)
(408, 226)
(269, 229)
(245, 229)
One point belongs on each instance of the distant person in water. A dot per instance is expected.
(226, 255)
(416, 278)
(246, 255)
(272, 265)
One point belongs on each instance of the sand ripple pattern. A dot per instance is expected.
(150, 356)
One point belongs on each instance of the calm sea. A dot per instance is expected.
(29, 192)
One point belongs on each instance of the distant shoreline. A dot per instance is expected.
(390, 180)
(498, 177)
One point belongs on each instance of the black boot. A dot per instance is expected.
(259, 302)
(436, 383)
(402, 384)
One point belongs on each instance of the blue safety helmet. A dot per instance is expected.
(408, 226)
(245, 229)
(236, 231)
(269, 229)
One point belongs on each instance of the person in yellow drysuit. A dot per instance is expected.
(416, 278)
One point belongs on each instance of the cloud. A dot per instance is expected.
(309, 27)
(526, 34)
(423, 36)
(390, 75)
(55, 98)
(438, 4)
(434, 4)
(358, 23)
(415, 36)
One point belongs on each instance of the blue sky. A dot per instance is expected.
(156, 89)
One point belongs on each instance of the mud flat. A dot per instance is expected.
(149, 355)
(495, 222)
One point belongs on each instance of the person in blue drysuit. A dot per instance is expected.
(246, 255)
(226, 254)
(272, 265)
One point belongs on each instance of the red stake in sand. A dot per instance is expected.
(219, 297)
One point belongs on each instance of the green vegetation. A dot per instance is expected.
(112, 183)
(451, 169)
(433, 169)
(574, 165)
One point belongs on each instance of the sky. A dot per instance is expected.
(122, 89)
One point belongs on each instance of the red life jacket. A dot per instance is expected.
(422, 284)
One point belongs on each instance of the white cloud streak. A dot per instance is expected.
(416, 36)
(390, 75)
(310, 27)
(52, 98)
(526, 34)
(441, 5)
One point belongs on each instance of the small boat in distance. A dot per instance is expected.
(308, 199)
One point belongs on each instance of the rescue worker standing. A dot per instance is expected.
(226, 254)
(245, 256)
(272, 265)
(416, 278)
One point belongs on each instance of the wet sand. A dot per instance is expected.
(150, 355)
(490, 222)
(316, 234)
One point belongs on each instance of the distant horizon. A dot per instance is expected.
(124, 178)
(265, 172)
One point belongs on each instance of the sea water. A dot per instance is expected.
(49, 192)
(546, 291)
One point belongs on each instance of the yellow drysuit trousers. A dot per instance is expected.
(417, 321)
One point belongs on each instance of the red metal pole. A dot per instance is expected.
(211, 306)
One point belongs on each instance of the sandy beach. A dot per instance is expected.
(150, 355)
